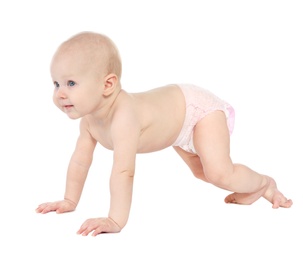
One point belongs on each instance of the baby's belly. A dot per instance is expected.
(154, 140)
(164, 123)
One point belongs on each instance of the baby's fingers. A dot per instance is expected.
(87, 227)
(58, 206)
(45, 208)
(48, 207)
(98, 225)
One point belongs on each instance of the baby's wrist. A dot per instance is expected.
(71, 201)
(111, 219)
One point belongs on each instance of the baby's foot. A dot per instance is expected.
(273, 195)
(269, 191)
(247, 198)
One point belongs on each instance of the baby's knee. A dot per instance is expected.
(199, 174)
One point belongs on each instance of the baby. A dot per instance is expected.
(86, 71)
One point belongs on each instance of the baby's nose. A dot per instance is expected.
(61, 93)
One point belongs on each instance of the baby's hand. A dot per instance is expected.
(99, 225)
(58, 206)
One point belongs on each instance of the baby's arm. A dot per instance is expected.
(76, 173)
(125, 133)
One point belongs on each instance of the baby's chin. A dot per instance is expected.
(72, 115)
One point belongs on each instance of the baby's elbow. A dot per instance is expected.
(128, 173)
(124, 173)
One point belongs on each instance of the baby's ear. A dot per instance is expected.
(110, 84)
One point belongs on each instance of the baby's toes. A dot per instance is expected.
(287, 204)
(280, 201)
(231, 198)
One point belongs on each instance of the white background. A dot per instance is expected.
(247, 52)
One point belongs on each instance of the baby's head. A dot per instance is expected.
(96, 52)
(86, 71)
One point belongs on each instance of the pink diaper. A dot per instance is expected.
(199, 103)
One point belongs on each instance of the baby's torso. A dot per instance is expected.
(160, 114)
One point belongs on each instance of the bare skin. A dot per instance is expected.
(214, 123)
(131, 123)
(269, 191)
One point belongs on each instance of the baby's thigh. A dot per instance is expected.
(193, 162)
(212, 142)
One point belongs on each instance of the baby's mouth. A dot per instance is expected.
(67, 107)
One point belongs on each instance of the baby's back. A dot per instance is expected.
(161, 112)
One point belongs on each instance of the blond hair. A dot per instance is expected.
(99, 50)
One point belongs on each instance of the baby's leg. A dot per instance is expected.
(193, 161)
(269, 192)
(211, 142)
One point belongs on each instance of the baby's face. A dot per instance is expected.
(77, 86)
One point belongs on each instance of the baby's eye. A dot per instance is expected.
(71, 83)
(56, 84)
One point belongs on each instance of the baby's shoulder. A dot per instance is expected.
(84, 123)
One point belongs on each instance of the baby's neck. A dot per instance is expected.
(105, 112)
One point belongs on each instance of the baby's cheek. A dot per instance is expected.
(55, 101)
